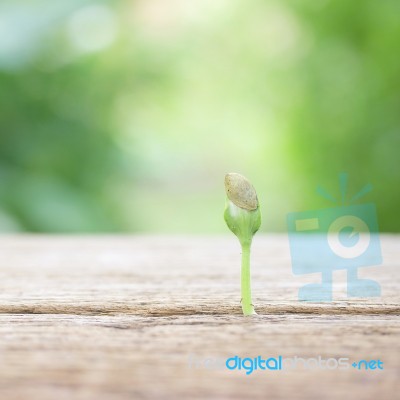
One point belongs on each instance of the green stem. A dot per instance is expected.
(247, 306)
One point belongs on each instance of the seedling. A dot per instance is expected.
(243, 217)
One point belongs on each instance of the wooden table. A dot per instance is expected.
(137, 317)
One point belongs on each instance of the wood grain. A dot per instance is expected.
(123, 317)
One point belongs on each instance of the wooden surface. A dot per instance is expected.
(120, 317)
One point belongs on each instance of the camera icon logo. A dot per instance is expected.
(342, 237)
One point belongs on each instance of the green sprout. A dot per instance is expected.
(243, 217)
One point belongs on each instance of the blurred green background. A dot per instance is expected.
(124, 116)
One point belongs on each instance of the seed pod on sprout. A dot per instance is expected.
(243, 217)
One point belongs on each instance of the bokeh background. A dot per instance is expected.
(124, 116)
